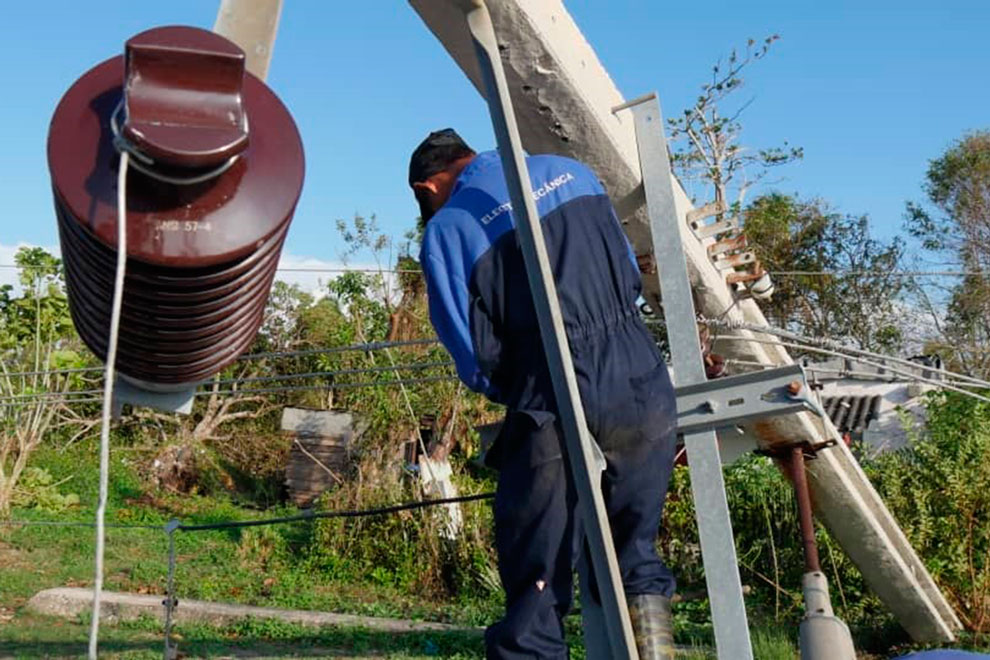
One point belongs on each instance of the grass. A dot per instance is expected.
(257, 566)
(37, 636)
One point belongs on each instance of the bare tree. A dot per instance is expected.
(707, 136)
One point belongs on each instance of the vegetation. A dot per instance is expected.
(851, 292)
(226, 461)
(954, 228)
(36, 336)
(707, 136)
(939, 489)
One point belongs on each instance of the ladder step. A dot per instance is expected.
(734, 260)
(706, 211)
(712, 228)
(727, 245)
(743, 276)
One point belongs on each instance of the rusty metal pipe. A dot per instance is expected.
(800, 481)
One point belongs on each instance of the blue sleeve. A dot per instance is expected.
(449, 312)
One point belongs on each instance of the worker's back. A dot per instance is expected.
(597, 283)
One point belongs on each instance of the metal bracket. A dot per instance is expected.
(718, 549)
(724, 402)
(126, 391)
(584, 467)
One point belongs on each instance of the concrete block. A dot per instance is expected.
(70, 602)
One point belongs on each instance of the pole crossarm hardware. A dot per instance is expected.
(581, 456)
(716, 404)
(718, 548)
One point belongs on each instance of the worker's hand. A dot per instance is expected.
(647, 264)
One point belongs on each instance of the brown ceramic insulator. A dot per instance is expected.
(200, 257)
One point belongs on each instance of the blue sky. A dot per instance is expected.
(870, 89)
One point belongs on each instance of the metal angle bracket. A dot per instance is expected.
(725, 402)
(718, 550)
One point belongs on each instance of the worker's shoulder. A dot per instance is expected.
(452, 228)
(554, 162)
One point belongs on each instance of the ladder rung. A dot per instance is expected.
(713, 228)
(739, 277)
(727, 245)
(706, 211)
(734, 260)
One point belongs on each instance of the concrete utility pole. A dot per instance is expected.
(562, 97)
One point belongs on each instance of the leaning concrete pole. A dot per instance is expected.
(252, 25)
(562, 97)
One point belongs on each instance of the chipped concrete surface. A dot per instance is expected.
(72, 601)
(563, 99)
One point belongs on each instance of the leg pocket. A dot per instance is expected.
(527, 438)
(657, 406)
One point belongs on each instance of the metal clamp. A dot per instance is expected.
(725, 402)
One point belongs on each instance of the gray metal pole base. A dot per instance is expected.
(823, 635)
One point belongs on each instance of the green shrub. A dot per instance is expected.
(37, 489)
(939, 490)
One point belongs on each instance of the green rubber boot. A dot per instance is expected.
(653, 626)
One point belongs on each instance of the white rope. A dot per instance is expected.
(118, 294)
(836, 346)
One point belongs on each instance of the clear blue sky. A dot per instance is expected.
(871, 89)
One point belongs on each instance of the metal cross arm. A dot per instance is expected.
(725, 402)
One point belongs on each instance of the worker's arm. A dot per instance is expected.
(451, 314)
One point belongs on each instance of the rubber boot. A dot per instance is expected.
(653, 626)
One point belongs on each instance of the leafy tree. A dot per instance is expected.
(41, 308)
(707, 136)
(36, 337)
(954, 226)
(855, 300)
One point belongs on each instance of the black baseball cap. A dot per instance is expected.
(435, 153)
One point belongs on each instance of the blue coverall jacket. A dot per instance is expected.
(482, 309)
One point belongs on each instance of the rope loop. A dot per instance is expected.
(145, 164)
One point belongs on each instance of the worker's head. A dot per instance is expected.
(435, 166)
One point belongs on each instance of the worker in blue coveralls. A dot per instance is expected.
(482, 309)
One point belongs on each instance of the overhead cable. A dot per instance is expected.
(834, 345)
(825, 351)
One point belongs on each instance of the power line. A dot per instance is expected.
(364, 348)
(287, 269)
(824, 351)
(836, 346)
(250, 391)
(878, 273)
(774, 273)
(232, 524)
(331, 374)
(331, 386)
(73, 396)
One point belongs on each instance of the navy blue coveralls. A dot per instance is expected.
(482, 309)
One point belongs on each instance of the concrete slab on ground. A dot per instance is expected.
(73, 601)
